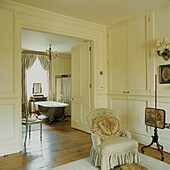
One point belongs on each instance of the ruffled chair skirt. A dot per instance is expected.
(107, 162)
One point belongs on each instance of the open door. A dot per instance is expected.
(81, 87)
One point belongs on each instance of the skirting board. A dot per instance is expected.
(11, 149)
(146, 140)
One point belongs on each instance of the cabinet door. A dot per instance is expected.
(137, 54)
(118, 61)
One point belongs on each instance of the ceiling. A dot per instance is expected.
(38, 41)
(107, 12)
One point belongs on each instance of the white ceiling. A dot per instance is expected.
(107, 12)
(38, 41)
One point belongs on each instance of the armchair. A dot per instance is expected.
(111, 144)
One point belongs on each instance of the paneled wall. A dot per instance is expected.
(133, 63)
(10, 125)
(160, 30)
(15, 17)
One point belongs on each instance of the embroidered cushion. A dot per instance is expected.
(106, 126)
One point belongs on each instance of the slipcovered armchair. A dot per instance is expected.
(111, 144)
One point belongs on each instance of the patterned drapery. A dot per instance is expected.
(47, 65)
(27, 62)
(44, 61)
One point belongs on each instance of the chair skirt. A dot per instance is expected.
(115, 151)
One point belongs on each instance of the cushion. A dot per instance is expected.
(106, 126)
(118, 145)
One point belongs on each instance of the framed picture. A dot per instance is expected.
(155, 117)
(164, 72)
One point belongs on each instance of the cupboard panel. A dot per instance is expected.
(118, 60)
(137, 55)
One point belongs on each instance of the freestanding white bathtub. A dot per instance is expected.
(53, 110)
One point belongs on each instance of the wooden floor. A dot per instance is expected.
(61, 144)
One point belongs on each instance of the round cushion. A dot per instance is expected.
(106, 126)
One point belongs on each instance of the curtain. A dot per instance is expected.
(66, 93)
(44, 61)
(46, 65)
(58, 89)
(27, 62)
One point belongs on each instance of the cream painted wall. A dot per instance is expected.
(131, 106)
(24, 17)
(61, 65)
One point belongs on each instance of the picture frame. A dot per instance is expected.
(164, 72)
(155, 117)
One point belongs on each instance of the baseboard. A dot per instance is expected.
(10, 149)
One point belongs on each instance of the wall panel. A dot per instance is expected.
(7, 123)
(136, 116)
(119, 106)
(6, 51)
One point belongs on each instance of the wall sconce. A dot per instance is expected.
(51, 54)
(163, 49)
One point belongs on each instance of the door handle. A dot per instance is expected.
(72, 99)
(128, 92)
(124, 92)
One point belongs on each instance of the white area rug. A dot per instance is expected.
(86, 164)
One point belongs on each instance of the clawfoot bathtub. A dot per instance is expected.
(53, 110)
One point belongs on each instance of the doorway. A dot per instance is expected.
(33, 41)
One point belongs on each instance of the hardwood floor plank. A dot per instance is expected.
(60, 144)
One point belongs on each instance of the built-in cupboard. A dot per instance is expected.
(129, 71)
(129, 57)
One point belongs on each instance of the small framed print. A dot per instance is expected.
(155, 117)
(164, 72)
